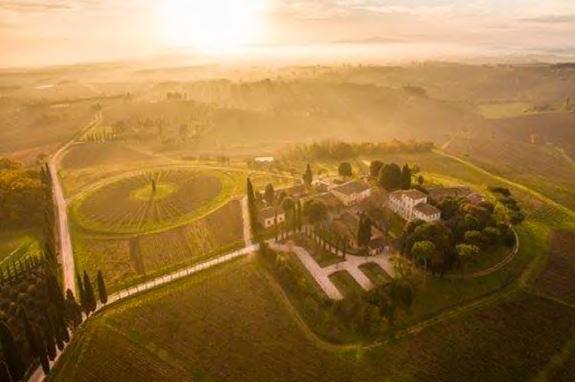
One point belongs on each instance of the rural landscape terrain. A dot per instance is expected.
(303, 223)
(287, 191)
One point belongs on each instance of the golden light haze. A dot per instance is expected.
(36, 32)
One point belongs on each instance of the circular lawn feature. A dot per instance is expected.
(151, 201)
(150, 192)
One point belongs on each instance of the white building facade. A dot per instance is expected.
(412, 205)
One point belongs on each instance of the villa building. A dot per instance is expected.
(412, 205)
(352, 193)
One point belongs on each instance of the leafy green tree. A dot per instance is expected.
(315, 210)
(364, 231)
(102, 291)
(308, 176)
(374, 168)
(449, 207)
(473, 237)
(516, 217)
(12, 353)
(390, 177)
(491, 235)
(423, 251)
(345, 169)
(466, 254)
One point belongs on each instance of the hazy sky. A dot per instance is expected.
(36, 32)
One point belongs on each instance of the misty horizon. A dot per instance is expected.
(63, 32)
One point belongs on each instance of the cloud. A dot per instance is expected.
(552, 19)
(35, 6)
(29, 6)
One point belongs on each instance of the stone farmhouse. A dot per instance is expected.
(412, 205)
(269, 216)
(351, 193)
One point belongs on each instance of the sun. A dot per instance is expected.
(212, 25)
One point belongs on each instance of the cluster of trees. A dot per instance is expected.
(36, 318)
(367, 313)
(175, 96)
(293, 210)
(391, 176)
(24, 195)
(26, 202)
(514, 213)
(466, 230)
(339, 150)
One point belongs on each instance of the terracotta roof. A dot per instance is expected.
(411, 194)
(427, 209)
(441, 193)
(270, 212)
(353, 187)
(329, 199)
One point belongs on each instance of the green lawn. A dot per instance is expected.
(375, 273)
(323, 257)
(346, 284)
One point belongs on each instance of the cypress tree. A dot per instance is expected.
(31, 334)
(49, 337)
(57, 323)
(406, 177)
(81, 293)
(12, 353)
(308, 176)
(89, 294)
(252, 206)
(102, 292)
(55, 292)
(250, 192)
(42, 353)
(73, 311)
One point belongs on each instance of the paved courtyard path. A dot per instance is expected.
(351, 265)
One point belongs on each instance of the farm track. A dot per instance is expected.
(63, 228)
